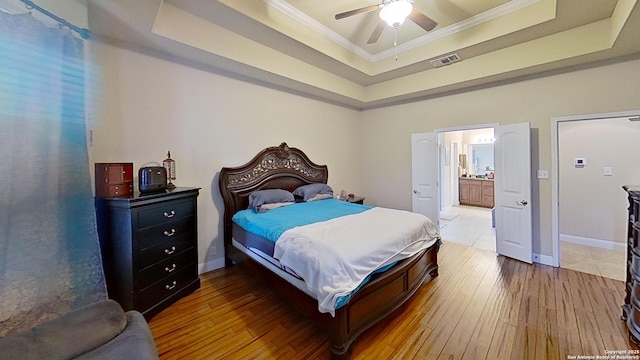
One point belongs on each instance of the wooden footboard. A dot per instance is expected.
(382, 296)
(385, 293)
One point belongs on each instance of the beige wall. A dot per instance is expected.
(141, 106)
(145, 106)
(594, 206)
(597, 90)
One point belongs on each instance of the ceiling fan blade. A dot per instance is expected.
(376, 32)
(422, 20)
(357, 11)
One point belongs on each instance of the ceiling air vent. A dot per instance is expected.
(445, 60)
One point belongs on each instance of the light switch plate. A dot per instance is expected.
(543, 174)
(608, 171)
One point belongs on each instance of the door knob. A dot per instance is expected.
(523, 202)
(416, 192)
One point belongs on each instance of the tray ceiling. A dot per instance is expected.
(298, 46)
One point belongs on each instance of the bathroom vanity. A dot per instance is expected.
(476, 192)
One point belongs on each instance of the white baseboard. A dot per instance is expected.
(214, 264)
(543, 259)
(603, 244)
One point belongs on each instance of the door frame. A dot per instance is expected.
(555, 186)
(454, 197)
(440, 140)
(452, 173)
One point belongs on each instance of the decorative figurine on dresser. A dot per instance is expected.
(149, 244)
(631, 307)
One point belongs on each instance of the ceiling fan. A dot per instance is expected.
(392, 13)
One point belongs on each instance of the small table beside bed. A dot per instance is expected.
(346, 266)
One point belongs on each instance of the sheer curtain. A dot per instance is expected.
(49, 252)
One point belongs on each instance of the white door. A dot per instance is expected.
(453, 161)
(512, 188)
(424, 164)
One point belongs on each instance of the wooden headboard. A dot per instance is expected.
(276, 167)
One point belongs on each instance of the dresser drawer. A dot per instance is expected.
(165, 250)
(635, 295)
(165, 288)
(634, 268)
(119, 189)
(165, 268)
(151, 236)
(169, 211)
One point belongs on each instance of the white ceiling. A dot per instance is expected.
(298, 46)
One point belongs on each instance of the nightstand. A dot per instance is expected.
(356, 200)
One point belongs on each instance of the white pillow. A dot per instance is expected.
(320, 197)
(271, 206)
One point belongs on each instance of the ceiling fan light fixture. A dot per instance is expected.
(395, 12)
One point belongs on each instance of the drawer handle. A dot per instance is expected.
(169, 215)
(173, 249)
(173, 232)
(169, 287)
(170, 269)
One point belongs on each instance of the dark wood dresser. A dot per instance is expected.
(631, 307)
(149, 245)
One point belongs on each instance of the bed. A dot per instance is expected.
(288, 168)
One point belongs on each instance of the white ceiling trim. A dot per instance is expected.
(498, 11)
(313, 24)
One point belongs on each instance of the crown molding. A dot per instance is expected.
(323, 30)
(496, 12)
(318, 27)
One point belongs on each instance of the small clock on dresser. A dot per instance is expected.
(149, 245)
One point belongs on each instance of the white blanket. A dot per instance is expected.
(335, 256)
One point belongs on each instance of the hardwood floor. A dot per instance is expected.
(481, 306)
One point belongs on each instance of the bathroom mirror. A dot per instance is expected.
(481, 158)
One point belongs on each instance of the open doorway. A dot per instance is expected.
(467, 192)
(511, 186)
(592, 225)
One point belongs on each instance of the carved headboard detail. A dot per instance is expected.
(282, 157)
(276, 167)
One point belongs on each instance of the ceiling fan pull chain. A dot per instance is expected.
(395, 41)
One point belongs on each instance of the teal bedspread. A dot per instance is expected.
(271, 224)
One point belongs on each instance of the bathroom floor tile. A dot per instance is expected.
(471, 226)
(607, 263)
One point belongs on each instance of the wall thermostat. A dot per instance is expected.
(580, 161)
